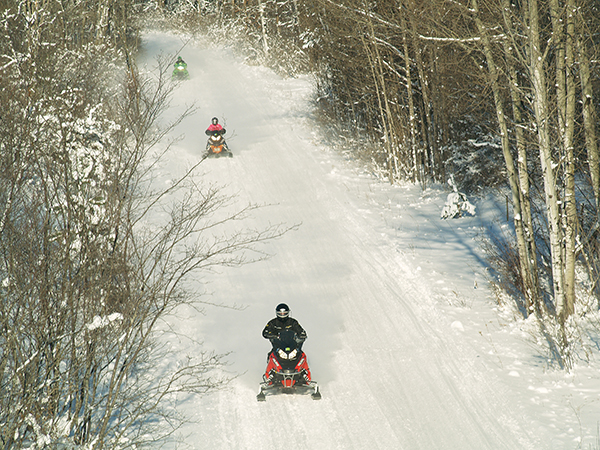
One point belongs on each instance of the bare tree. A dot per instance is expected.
(588, 99)
(87, 274)
(525, 257)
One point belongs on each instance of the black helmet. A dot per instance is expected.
(282, 311)
(215, 121)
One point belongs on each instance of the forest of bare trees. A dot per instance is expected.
(526, 72)
(82, 285)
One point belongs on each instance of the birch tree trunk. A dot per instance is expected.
(436, 128)
(570, 217)
(417, 171)
(102, 21)
(523, 174)
(589, 111)
(373, 63)
(263, 27)
(565, 87)
(426, 122)
(537, 67)
(522, 246)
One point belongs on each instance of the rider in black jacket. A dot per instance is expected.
(282, 322)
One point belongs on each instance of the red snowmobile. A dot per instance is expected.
(287, 370)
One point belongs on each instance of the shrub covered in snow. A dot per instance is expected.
(457, 204)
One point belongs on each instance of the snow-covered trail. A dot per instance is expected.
(390, 376)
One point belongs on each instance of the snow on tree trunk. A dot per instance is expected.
(522, 246)
(589, 112)
(541, 107)
(532, 286)
(263, 27)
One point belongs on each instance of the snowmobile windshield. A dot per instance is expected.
(286, 340)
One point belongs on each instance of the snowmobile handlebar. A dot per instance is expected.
(276, 337)
(215, 132)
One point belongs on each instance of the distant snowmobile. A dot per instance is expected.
(287, 370)
(180, 71)
(216, 145)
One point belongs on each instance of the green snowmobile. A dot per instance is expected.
(180, 71)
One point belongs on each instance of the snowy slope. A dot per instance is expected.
(403, 338)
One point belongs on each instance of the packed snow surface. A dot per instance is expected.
(406, 341)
